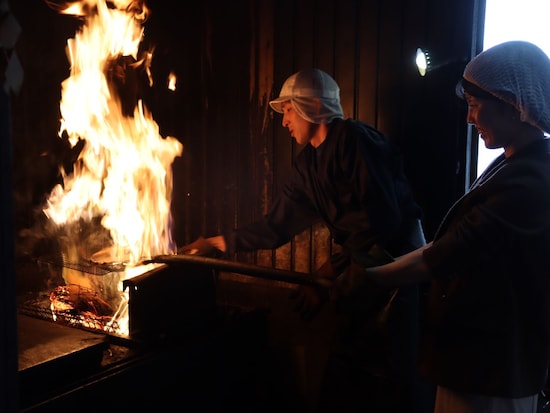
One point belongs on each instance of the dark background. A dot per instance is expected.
(231, 58)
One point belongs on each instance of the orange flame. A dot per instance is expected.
(122, 177)
(123, 173)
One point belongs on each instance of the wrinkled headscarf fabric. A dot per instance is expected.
(517, 72)
(314, 94)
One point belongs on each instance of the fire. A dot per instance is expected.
(172, 81)
(123, 173)
(122, 178)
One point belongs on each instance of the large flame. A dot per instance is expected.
(122, 178)
(123, 173)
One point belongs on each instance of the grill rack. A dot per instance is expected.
(85, 266)
(40, 308)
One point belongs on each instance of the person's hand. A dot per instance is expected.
(354, 292)
(218, 242)
(354, 282)
(309, 299)
(204, 247)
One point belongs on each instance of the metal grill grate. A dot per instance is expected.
(40, 308)
(88, 267)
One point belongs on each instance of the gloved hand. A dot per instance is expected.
(309, 299)
(354, 292)
(201, 247)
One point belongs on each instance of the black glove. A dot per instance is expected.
(200, 247)
(309, 299)
(354, 292)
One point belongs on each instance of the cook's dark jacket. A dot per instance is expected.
(354, 182)
(489, 325)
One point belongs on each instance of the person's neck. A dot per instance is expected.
(320, 135)
(525, 137)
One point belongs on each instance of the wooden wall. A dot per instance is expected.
(231, 58)
(369, 47)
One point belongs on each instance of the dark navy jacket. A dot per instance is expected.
(489, 313)
(354, 183)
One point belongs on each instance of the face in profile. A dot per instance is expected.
(494, 120)
(299, 128)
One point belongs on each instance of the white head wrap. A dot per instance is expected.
(517, 72)
(313, 94)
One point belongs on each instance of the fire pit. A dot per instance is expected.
(164, 316)
(161, 301)
(181, 344)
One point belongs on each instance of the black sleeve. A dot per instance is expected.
(290, 214)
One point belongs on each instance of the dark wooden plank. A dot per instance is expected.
(345, 52)
(323, 48)
(262, 90)
(367, 67)
(390, 66)
(282, 148)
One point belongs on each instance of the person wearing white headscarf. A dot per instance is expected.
(487, 341)
(518, 73)
(313, 94)
(349, 176)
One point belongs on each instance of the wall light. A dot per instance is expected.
(425, 65)
(423, 62)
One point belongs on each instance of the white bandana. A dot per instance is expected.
(313, 94)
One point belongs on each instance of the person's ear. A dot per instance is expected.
(511, 112)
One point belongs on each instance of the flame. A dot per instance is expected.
(172, 81)
(123, 172)
(121, 183)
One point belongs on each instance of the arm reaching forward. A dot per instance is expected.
(408, 269)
